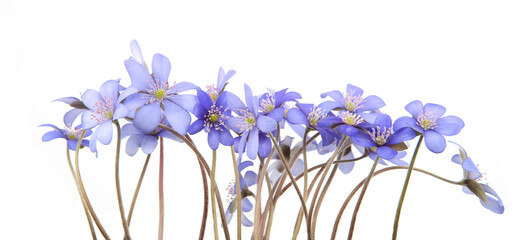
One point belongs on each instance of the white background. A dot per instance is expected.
(464, 55)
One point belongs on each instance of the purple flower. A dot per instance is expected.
(150, 93)
(146, 141)
(72, 135)
(104, 107)
(249, 179)
(222, 80)
(272, 104)
(78, 108)
(353, 102)
(428, 121)
(250, 125)
(347, 123)
(381, 137)
(212, 117)
(471, 171)
(309, 115)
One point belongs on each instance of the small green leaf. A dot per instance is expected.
(477, 189)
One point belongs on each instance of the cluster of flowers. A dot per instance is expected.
(152, 104)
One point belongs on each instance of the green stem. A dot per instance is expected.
(405, 184)
(161, 224)
(212, 196)
(118, 188)
(85, 208)
(238, 197)
(136, 192)
(83, 192)
(360, 198)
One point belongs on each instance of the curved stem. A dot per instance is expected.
(136, 192)
(361, 197)
(161, 224)
(404, 189)
(118, 188)
(212, 196)
(257, 232)
(321, 198)
(205, 206)
(83, 192)
(238, 190)
(91, 226)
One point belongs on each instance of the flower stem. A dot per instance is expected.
(321, 198)
(405, 184)
(161, 195)
(85, 208)
(83, 192)
(212, 195)
(360, 198)
(238, 190)
(118, 188)
(136, 192)
(205, 207)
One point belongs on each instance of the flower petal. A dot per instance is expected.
(90, 98)
(213, 139)
(347, 167)
(401, 135)
(147, 118)
(246, 205)
(264, 146)
(363, 139)
(335, 95)
(253, 143)
(414, 108)
(133, 143)
(140, 78)
(71, 115)
(354, 90)
(67, 100)
(248, 95)
(104, 132)
(234, 102)
(88, 120)
(295, 116)
(449, 125)
(196, 127)
(136, 51)
(435, 142)
(250, 178)
(204, 99)
(160, 68)
(186, 101)
(386, 152)
(383, 121)
(52, 135)
(148, 144)
(177, 117)
(109, 92)
(436, 109)
(184, 86)
(266, 124)
(371, 103)
(120, 112)
(225, 137)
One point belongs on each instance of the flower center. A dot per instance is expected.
(268, 104)
(427, 120)
(103, 110)
(247, 120)
(287, 107)
(230, 191)
(353, 103)
(73, 133)
(380, 137)
(159, 90)
(315, 115)
(214, 119)
(213, 92)
(160, 93)
(350, 118)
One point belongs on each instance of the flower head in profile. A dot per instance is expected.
(427, 119)
(381, 139)
(72, 135)
(104, 107)
(212, 117)
(147, 141)
(222, 80)
(345, 122)
(149, 94)
(471, 172)
(251, 125)
(249, 180)
(352, 101)
(306, 115)
(271, 104)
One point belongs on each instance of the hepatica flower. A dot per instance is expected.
(346, 122)
(212, 117)
(272, 104)
(104, 107)
(471, 171)
(381, 139)
(428, 121)
(72, 135)
(147, 141)
(251, 125)
(249, 179)
(352, 101)
(222, 80)
(309, 115)
(153, 92)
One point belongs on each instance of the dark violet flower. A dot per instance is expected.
(272, 104)
(353, 102)
(72, 135)
(471, 171)
(146, 141)
(249, 180)
(212, 117)
(250, 125)
(150, 93)
(104, 107)
(222, 80)
(381, 139)
(428, 121)
(309, 115)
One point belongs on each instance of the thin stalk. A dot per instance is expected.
(118, 188)
(353, 192)
(212, 196)
(257, 232)
(161, 224)
(83, 192)
(321, 198)
(205, 206)
(288, 170)
(87, 214)
(136, 192)
(361, 197)
(238, 197)
(404, 189)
